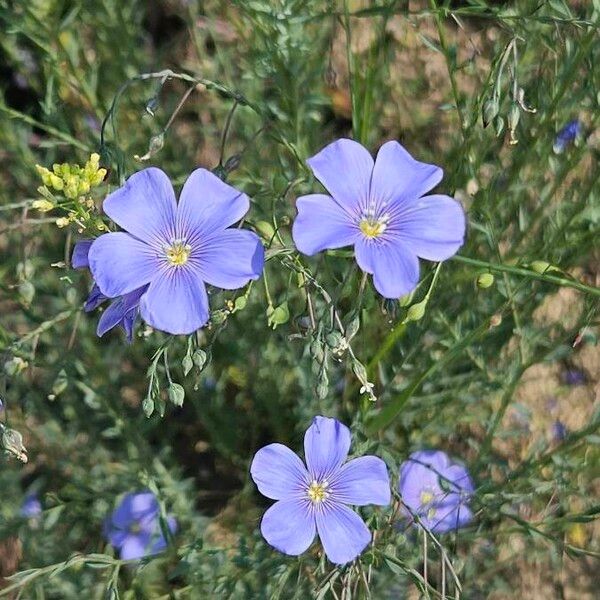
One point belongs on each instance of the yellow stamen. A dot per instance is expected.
(317, 492)
(178, 253)
(372, 229)
(426, 497)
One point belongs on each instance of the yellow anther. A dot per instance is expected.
(317, 492)
(178, 253)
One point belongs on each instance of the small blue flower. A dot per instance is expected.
(134, 529)
(380, 208)
(559, 431)
(31, 507)
(566, 135)
(574, 377)
(171, 250)
(314, 499)
(436, 490)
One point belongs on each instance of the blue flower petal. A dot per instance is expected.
(289, 526)
(326, 445)
(343, 533)
(362, 481)
(279, 473)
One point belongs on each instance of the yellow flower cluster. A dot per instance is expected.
(72, 180)
(71, 183)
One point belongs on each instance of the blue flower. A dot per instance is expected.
(122, 312)
(171, 250)
(436, 490)
(380, 209)
(566, 135)
(314, 498)
(31, 507)
(559, 431)
(134, 527)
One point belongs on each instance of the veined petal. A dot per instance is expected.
(122, 311)
(230, 258)
(94, 299)
(449, 516)
(398, 178)
(79, 258)
(362, 481)
(289, 526)
(208, 204)
(121, 263)
(111, 317)
(145, 206)
(326, 445)
(322, 224)
(394, 265)
(176, 301)
(343, 533)
(344, 167)
(432, 227)
(134, 507)
(278, 472)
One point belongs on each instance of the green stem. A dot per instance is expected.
(561, 281)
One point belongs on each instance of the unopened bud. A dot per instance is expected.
(495, 320)
(541, 266)
(199, 357)
(12, 442)
(514, 114)
(490, 110)
(176, 394)
(155, 145)
(485, 280)
(232, 163)
(416, 311)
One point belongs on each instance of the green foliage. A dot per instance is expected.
(251, 89)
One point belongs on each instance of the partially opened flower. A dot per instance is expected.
(436, 490)
(314, 498)
(379, 208)
(134, 528)
(175, 249)
(122, 312)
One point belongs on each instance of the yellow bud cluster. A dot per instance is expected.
(73, 181)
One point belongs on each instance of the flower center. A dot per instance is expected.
(317, 491)
(373, 226)
(134, 528)
(426, 497)
(178, 253)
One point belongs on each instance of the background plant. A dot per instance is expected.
(254, 89)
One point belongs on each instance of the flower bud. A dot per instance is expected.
(490, 109)
(200, 358)
(485, 280)
(514, 114)
(176, 394)
(416, 311)
(541, 266)
(12, 442)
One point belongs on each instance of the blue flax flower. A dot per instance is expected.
(567, 135)
(134, 529)
(379, 208)
(313, 498)
(31, 507)
(436, 490)
(123, 311)
(175, 249)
